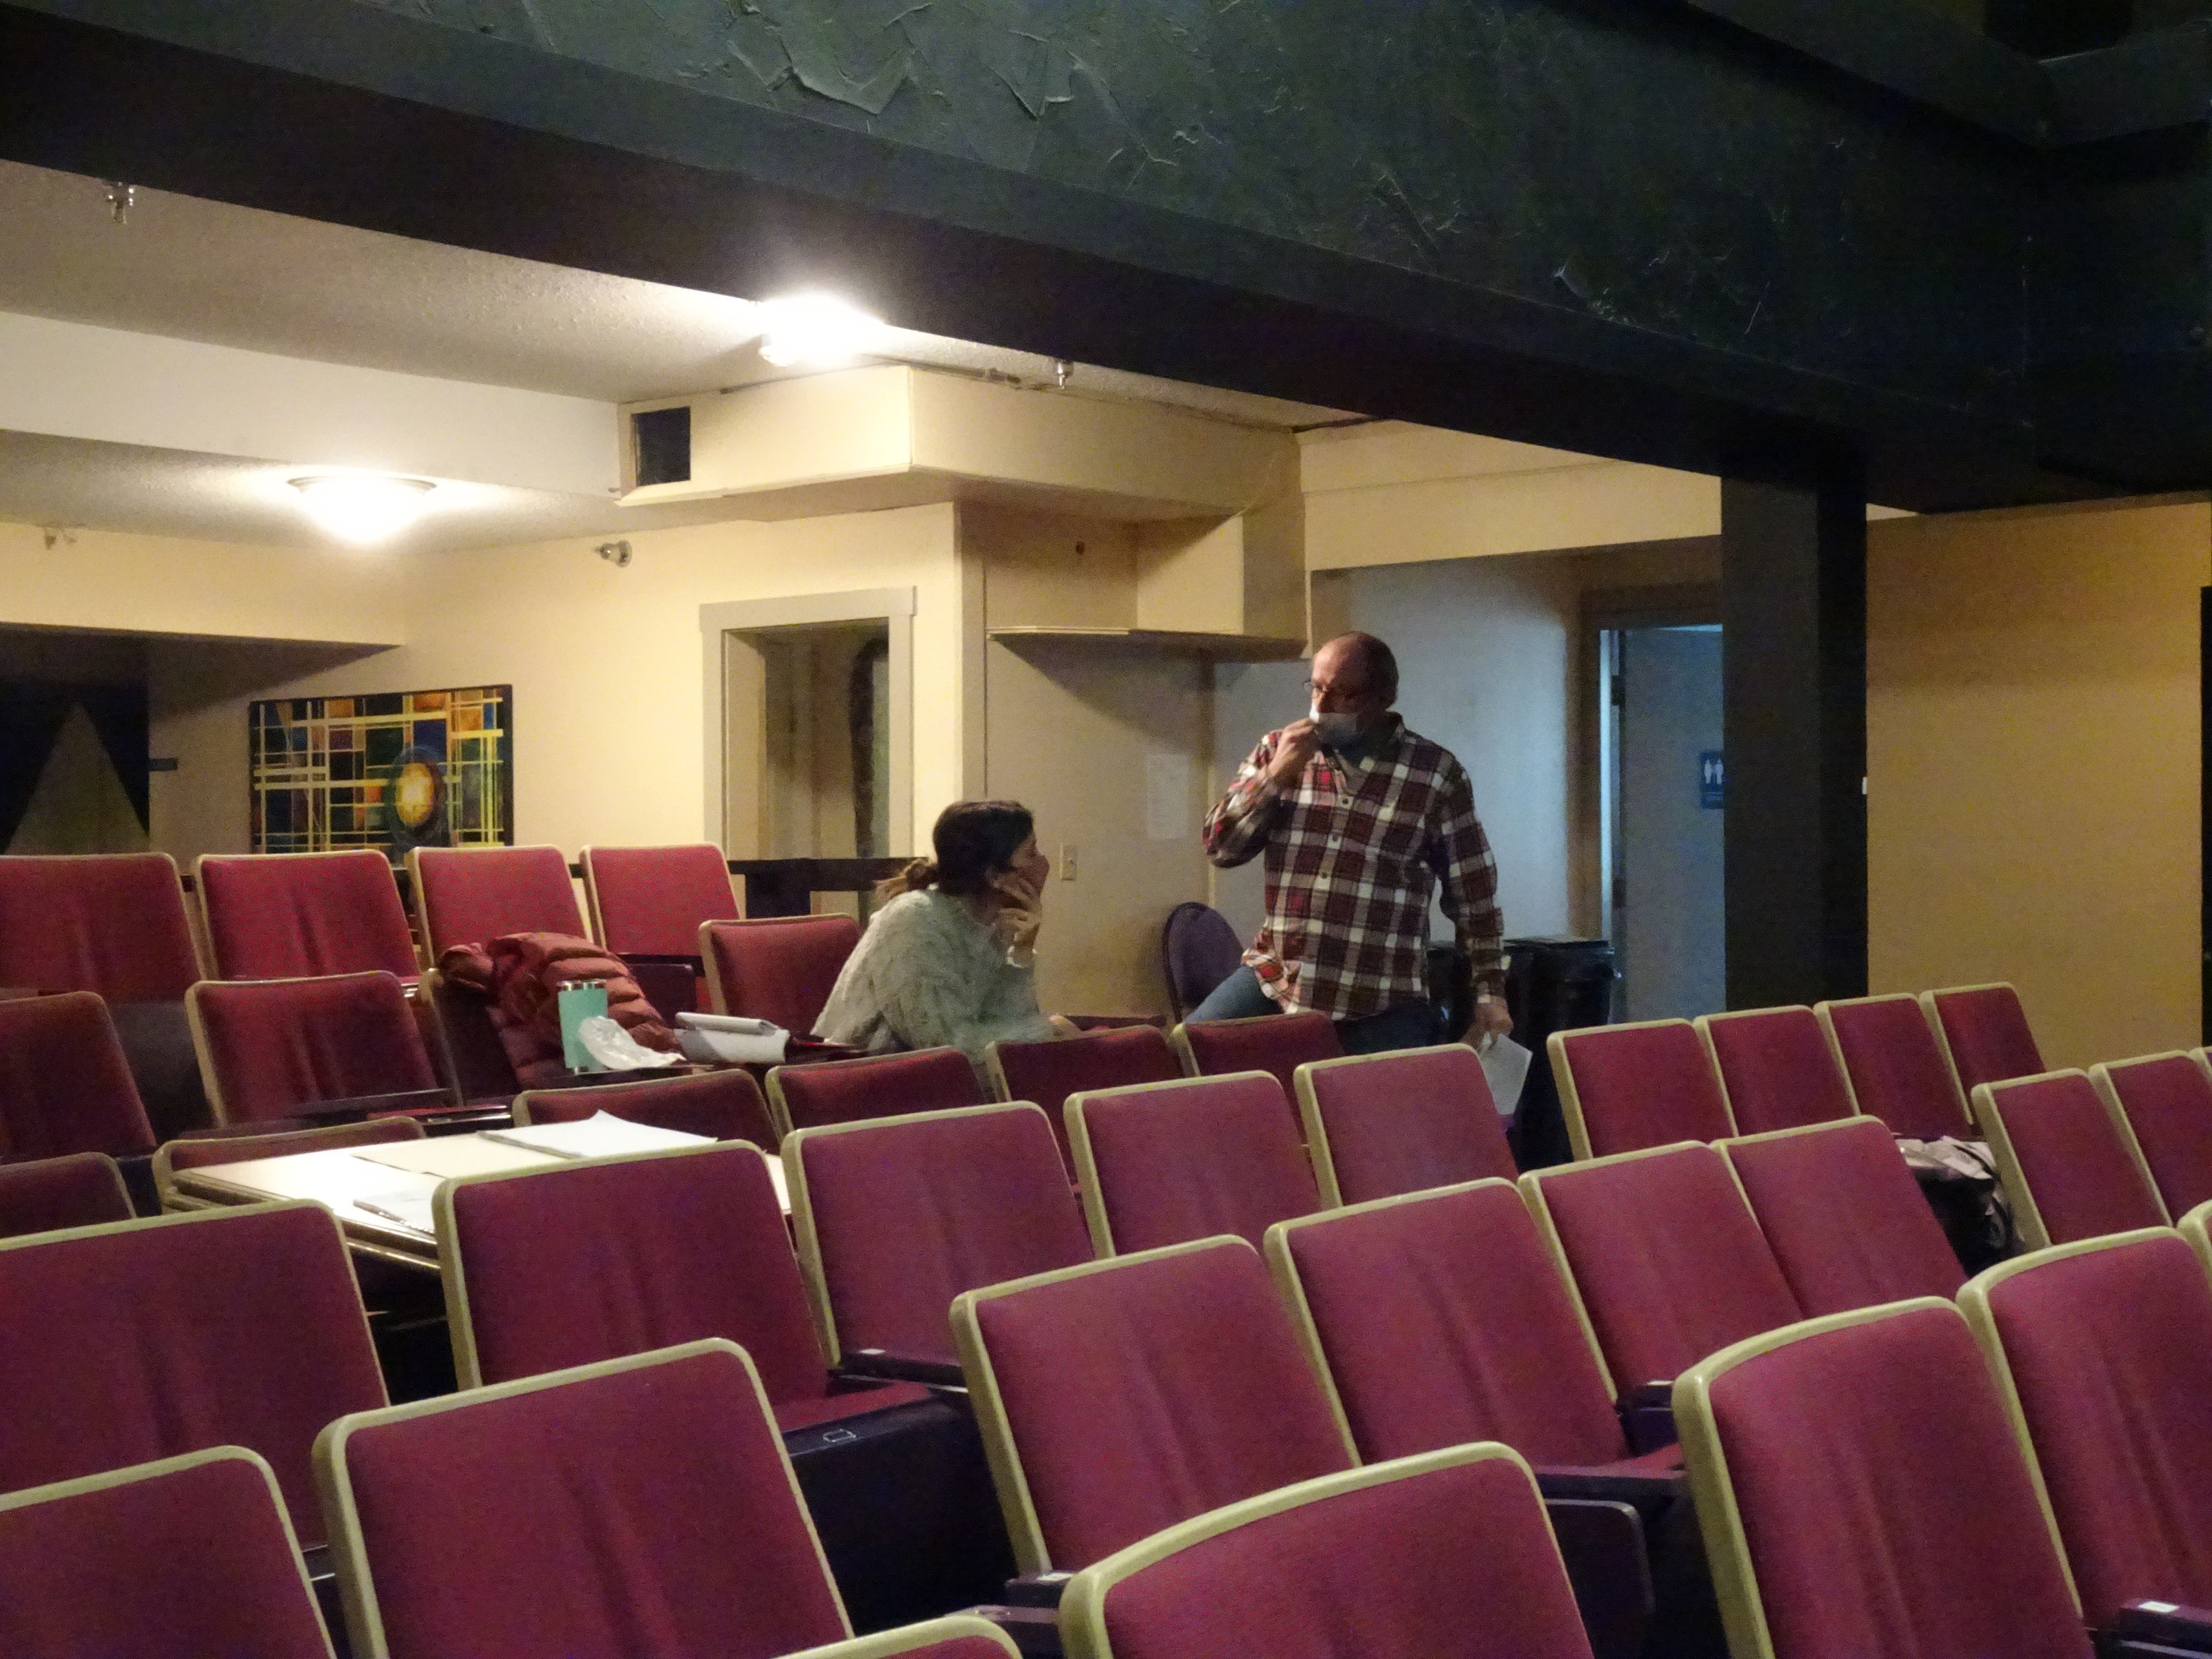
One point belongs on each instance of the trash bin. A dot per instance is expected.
(1552, 985)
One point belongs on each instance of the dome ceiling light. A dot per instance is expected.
(362, 508)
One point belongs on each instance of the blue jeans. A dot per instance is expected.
(1409, 1025)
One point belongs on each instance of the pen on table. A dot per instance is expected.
(393, 1216)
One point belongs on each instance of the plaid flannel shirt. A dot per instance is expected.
(1353, 850)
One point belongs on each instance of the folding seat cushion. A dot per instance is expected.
(1047, 1074)
(190, 1554)
(2068, 1159)
(203, 1150)
(1776, 1068)
(267, 1046)
(473, 894)
(643, 1505)
(1628, 1087)
(84, 1190)
(897, 1217)
(2167, 1102)
(1198, 949)
(1440, 1319)
(1843, 1215)
(1380, 1124)
(962, 1636)
(777, 967)
(1277, 1045)
(1984, 1032)
(109, 922)
(652, 901)
(65, 1085)
(1664, 1252)
(1446, 1556)
(2107, 1345)
(1861, 1492)
(565, 1264)
(1897, 1070)
(725, 1104)
(1123, 1396)
(237, 1328)
(290, 915)
(1166, 1163)
(875, 1085)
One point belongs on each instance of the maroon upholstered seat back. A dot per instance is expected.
(110, 922)
(594, 1259)
(1408, 1121)
(294, 914)
(1445, 1320)
(473, 894)
(1643, 1085)
(2169, 1102)
(642, 1509)
(65, 1084)
(236, 1328)
(778, 968)
(1171, 1162)
(725, 1104)
(2080, 1174)
(185, 1555)
(201, 1151)
(267, 1045)
(1844, 1217)
(1777, 1068)
(1047, 1074)
(1277, 1045)
(1988, 1033)
(1144, 1392)
(2109, 1350)
(1456, 1558)
(1907, 1523)
(1897, 1072)
(908, 1213)
(1198, 949)
(877, 1085)
(1670, 1264)
(81, 1190)
(653, 900)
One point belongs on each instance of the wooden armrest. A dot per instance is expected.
(877, 1364)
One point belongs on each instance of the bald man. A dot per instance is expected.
(1361, 821)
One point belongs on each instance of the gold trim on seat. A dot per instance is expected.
(1989, 1116)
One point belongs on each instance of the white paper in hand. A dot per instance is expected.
(1505, 1067)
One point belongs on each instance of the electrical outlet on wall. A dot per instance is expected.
(1068, 860)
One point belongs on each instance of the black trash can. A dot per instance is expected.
(1552, 985)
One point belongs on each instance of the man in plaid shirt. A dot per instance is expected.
(1360, 818)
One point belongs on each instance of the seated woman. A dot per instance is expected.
(948, 961)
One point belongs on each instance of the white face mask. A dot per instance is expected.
(1335, 731)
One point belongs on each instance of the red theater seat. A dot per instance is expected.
(83, 1189)
(1123, 1396)
(204, 1151)
(897, 1218)
(1898, 1070)
(875, 1085)
(652, 901)
(1380, 1124)
(1166, 1163)
(65, 1085)
(1844, 1215)
(2167, 1102)
(1777, 1069)
(1863, 1494)
(1984, 1032)
(291, 916)
(727, 1105)
(111, 922)
(1277, 1045)
(187, 1555)
(1047, 1074)
(268, 1047)
(227, 1328)
(473, 894)
(1447, 1554)
(1669, 1262)
(1628, 1087)
(2067, 1158)
(2108, 1346)
(777, 967)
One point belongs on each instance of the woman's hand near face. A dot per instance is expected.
(1021, 912)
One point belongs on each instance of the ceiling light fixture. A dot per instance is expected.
(815, 330)
(363, 508)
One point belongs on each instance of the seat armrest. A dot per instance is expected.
(1647, 1417)
(1608, 1565)
(1643, 1490)
(878, 1365)
(2162, 1626)
(1035, 1589)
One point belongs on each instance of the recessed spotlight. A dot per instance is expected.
(814, 331)
(363, 508)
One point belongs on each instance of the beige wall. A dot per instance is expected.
(2033, 757)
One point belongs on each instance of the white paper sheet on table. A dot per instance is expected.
(600, 1135)
(407, 1207)
(1505, 1067)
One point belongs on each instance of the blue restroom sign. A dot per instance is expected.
(1712, 781)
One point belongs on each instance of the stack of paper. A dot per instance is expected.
(404, 1207)
(600, 1135)
(730, 1039)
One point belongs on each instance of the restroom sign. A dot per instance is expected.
(1712, 781)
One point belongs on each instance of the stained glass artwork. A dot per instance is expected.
(392, 770)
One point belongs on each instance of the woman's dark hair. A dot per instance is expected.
(973, 840)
